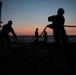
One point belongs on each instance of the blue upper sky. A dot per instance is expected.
(34, 13)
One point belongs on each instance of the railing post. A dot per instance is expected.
(0, 13)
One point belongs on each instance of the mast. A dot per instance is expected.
(0, 13)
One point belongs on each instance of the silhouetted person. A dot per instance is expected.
(6, 29)
(36, 35)
(45, 36)
(58, 28)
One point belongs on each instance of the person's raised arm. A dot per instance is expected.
(12, 31)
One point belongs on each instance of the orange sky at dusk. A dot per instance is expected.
(71, 30)
(27, 15)
(31, 30)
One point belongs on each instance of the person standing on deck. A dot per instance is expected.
(58, 28)
(36, 35)
(59, 32)
(45, 36)
(6, 29)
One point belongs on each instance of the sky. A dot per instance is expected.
(27, 15)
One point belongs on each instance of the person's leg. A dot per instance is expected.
(57, 46)
(65, 46)
(2, 42)
(57, 41)
(8, 42)
(64, 40)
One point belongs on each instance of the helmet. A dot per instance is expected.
(60, 11)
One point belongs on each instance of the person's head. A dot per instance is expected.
(60, 11)
(10, 23)
(36, 29)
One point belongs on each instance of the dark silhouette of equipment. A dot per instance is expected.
(0, 13)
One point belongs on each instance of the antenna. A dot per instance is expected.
(0, 13)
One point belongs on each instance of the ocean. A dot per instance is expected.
(31, 38)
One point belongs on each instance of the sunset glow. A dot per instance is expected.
(27, 15)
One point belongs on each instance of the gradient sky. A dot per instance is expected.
(27, 15)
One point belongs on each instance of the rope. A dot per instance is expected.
(64, 26)
(69, 26)
(42, 31)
